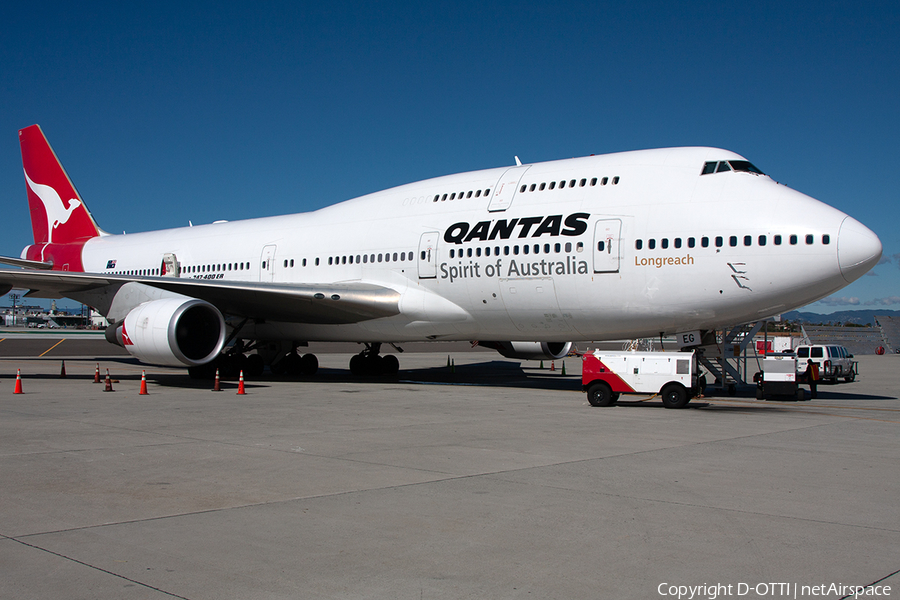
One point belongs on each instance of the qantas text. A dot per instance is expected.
(575, 224)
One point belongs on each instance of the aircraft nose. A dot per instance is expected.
(858, 249)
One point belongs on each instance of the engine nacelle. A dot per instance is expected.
(531, 350)
(174, 332)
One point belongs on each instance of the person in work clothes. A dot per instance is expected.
(812, 377)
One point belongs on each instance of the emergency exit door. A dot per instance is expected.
(427, 257)
(607, 245)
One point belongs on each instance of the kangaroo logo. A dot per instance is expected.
(57, 211)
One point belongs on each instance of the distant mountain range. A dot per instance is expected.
(841, 317)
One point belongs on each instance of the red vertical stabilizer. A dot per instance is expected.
(59, 219)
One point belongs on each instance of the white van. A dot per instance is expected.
(834, 361)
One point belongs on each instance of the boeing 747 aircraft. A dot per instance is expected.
(526, 259)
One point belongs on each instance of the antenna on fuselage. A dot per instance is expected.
(518, 162)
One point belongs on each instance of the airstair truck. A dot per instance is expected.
(672, 375)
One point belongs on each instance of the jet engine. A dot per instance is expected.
(530, 350)
(175, 332)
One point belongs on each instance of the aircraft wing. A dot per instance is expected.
(319, 303)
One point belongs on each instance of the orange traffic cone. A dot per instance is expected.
(108, 387)
(241, 391)
(143, 391)
(18, 389)
(552, 365)
(62, 373)
(217, 387)
(97, 374)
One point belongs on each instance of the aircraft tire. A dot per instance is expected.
(600, 394)
(254, 365)
(358, 365)
(309, 364)
(389, 364)
(674, 396)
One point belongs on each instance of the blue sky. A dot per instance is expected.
(165, 113)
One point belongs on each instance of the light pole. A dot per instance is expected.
(14, 297)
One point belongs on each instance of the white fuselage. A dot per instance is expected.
(629, 250)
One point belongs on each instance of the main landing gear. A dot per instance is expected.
(369, 363)
(293, 363)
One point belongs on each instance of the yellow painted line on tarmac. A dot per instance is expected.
(53, 346)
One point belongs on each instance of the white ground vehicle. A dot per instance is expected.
(834, 362)
(779, 378)
(672, 375)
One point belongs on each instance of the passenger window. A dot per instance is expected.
(477, 193)
(572, 183)
(552, 184)
(678, 242)
(601, 246)
(531, 189)
(579, 247)
(583, 182)
(704, 242)
(546, 248)
(762, 240)
(651, 244)
(793, 240)
(469, 195)
(691, 242)
(568, 246)
(616, 180)
(776, 239)
(826, 239)
(523, 188)
(748, 240)
(604, 181)
(719, 241)
(732, 241)
(543, 185)
(395, 257)
(477, 251)
(525, 249)
(557, 248)
(515, 250)
(638, 244)
(505, 250)
(664, 243)
(469, 253)
(593, 182)
(452, 253)
(809, 240)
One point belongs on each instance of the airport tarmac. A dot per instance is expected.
(487, 481)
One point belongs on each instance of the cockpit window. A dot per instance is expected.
(740, 166)
(745, 166)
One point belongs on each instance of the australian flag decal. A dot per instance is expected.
(110, 264)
